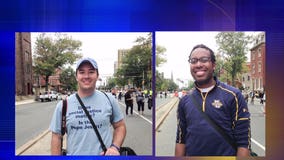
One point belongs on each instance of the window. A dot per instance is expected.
(27, 56)
(252, 55)
(259, 67)
(248, 78)
(259, 52)
(28, 68)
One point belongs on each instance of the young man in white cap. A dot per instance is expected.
(81, 138)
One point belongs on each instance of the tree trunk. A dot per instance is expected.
(46, 83)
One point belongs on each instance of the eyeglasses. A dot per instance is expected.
(201, 59)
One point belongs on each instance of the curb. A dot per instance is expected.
(25, 102)
(159, 121)
(30, 143)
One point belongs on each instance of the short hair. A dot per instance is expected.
(212, 55)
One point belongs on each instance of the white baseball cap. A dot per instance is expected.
(87, 59)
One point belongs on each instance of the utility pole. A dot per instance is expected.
(143, 81)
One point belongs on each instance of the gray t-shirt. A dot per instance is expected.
(81, 138)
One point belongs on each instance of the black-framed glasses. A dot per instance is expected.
(201, 59)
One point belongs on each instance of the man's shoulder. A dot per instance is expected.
(103, 94)
(72, 97)
(228, 87)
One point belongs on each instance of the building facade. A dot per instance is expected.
(120, 55)
(23, 60)
(258, 53)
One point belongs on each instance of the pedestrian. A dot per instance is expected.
(223, 104)
(140, 101)
(128, 101)
(165, 94)
(81, 138)
(119, 95)
(252, 97)
(264, 100)
(261, 97)
(149, 102)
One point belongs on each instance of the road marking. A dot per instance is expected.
(171, 104)
(164, 104)
(137, 113)
(258, 144)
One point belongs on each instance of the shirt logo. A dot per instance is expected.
(217, 104)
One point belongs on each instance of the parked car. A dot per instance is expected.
(48, 95)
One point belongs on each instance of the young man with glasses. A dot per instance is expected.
(223, 104)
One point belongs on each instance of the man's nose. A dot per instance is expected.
(198, 63)
(86, 75)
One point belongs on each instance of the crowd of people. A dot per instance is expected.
(131, 95)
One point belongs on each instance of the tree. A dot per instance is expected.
(163, 84)
(172, 85)
(160, 59)
(68, 80)
(51, 53)
(233, 47)
(111, 83)
(136, 67)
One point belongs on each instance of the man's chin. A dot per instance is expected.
(201, 82)
(87, 87)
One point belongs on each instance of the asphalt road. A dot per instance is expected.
(165, 133)
(139, 130)
(257, 128)
(32, 119)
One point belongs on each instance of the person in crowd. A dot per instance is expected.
(140, 101)
(128, 101)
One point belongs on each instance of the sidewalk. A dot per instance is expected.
(24, 99)
(37, 146)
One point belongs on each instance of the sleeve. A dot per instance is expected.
(181, 123)
(55, 125)
(116, 111)
(242, 123)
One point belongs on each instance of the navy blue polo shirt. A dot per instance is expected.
(227, 107)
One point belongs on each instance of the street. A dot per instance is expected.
(139, 130)
(166, 133)
(31, 120)
(38, 116)
(166, 127)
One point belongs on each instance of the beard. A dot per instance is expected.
(203, 82)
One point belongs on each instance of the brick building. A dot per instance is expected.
(23, 60)
(246, 78)
(258, 63)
